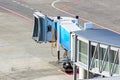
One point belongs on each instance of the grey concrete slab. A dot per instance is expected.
(21, 58)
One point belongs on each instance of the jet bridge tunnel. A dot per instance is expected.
(96, 51)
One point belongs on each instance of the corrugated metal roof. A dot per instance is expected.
(100, 35)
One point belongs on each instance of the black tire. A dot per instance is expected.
(67, 67)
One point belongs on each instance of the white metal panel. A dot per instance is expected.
(103, 46)
(35, 15)
(83, 39)
(70, 27)
(94, 43)
(38, 14)
(72, 46)
(114, 48)
(69, 24)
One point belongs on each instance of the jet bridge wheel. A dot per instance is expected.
(67, 67)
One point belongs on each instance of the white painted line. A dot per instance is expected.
(26, 6)
(13, 12)
(53, 4)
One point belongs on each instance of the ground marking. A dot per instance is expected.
(13, 12)
(59, 9)
(24, 5)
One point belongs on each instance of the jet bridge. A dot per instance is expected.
(92, 50)
(56, 29)
(96, 51)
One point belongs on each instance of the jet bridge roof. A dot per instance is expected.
(69, 24)
(100, 35)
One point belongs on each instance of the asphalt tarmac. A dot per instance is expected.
(23, 59)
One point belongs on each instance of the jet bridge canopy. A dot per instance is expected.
(100, 35)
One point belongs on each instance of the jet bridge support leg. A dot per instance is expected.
(58, 40)
(58, 52)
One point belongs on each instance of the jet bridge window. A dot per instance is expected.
(99, 56)
(112, 56)
(83, 52)
(105, 58)
(114, 61)
(49, 28)
(94, 56)
(35, 33)
(38, 31)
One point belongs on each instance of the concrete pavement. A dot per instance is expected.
(20, 57)
(23, 59)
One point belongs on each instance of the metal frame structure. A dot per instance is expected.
(105, 58)
(96, 55)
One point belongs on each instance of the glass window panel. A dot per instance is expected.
(83, 47)
(112, 63)
(83, 58)
(35, 33)
(94, 56)
(106, 66)
(92, 50)
(41, 29)
(116, 70)
(83, 52)
(102, 53)
(112, 55)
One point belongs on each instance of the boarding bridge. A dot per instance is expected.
(95, 51)
(56, 29)
(92, 50)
